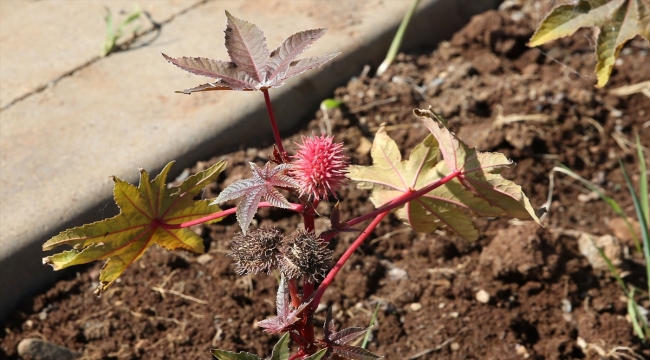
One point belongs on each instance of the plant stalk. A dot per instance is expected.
(397, 40)
(344, 258)
(217, 215)
(399, 201)
(274, 125)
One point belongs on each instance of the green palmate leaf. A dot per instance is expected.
(148, 216)
(281, 348)
(229, 355)
(318, 356)
(280, 352)
(478, 190)
(617, 20)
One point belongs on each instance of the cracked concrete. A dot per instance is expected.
(109, 116)
(61, 37)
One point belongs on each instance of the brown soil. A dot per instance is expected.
(544, 296)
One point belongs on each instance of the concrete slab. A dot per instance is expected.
(44, 40)
(58, 146)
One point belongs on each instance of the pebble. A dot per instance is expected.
(588, 246)
(521, 350)
(37, 349)
(483, 296)
(204, 259)
(455, 346)
(416, 306)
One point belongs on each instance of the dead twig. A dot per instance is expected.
(372, 104)
(501, 120)
(83, 319)
(445, 271)
(443, 344)
(388, 235)
(642, 87)
(617, 352)
(179, 294)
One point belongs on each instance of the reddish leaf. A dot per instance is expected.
(287, 315)
(251, 65)
(354, 352)
(261, 185)
(347, 335)
(336, 341)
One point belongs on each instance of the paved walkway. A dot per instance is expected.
(70, 119)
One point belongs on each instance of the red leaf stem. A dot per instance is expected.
(398, 201)
(293, 291)
(344, 258)
(274, 125)
(295, 207)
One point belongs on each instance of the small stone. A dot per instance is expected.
(204, 259)
(622, 232)
(396, 274)
(588, 246)
(455, 346)
(37, 349)
(483, 296)
(454, 314)
(364, 146)
(416, 307)
(585, 198)
(521, 350)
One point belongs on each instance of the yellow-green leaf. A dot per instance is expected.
(149, 214)
(478, 190)
(617, 20)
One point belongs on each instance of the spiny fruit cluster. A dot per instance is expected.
(266, 249)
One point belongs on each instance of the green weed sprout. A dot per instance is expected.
(373, 318)
(113, 35)
(397, 40)
(325, 106)
(641, 205)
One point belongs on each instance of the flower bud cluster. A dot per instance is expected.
(319, 166)
(265, 249)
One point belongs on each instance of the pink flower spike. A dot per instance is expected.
(319, 166)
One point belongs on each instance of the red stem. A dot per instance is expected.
(399, 201)
(339, 264)
(217, 215)
(309, 216)
(307, 329)
(297, 355)
(379, 214)
(293, 291)
(274, 125)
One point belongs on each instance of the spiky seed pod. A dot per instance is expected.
(257, 251)
(319, 166)
(304, 254)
